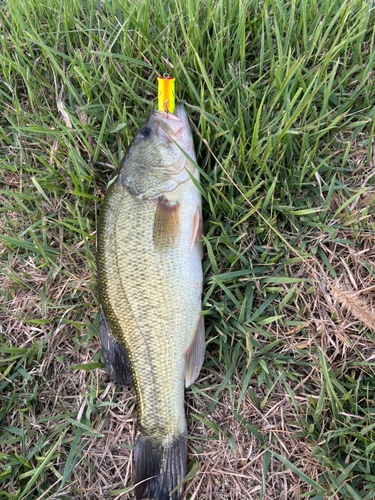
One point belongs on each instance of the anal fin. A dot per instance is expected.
(195, 354)
(114, 356)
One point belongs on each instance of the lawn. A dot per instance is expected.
(281, 97)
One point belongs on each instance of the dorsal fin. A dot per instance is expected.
(114, 357)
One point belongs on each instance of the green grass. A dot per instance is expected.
(282, 97)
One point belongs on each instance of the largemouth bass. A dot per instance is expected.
(150, 286)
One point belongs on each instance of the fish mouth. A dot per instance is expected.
(173, 127)
(180, 112)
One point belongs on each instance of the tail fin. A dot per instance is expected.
(159, 467)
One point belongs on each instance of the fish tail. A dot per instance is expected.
(160, 466)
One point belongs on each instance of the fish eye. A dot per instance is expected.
(145, 132)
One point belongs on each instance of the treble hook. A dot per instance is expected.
(166, 110)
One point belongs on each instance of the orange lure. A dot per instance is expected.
(166, 97)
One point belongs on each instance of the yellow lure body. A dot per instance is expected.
(166, 96)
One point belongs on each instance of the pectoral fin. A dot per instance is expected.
(195, 354)
(113, 354)
(166, 223)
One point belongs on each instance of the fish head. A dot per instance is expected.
(159, 143)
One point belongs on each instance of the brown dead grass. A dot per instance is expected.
(227, 475)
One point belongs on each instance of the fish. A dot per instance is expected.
(149, 260)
